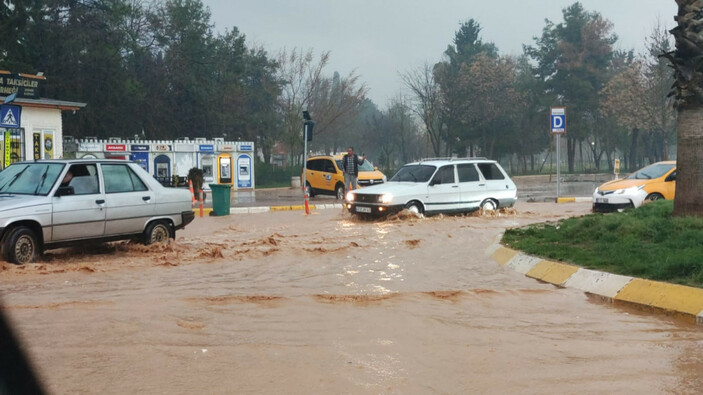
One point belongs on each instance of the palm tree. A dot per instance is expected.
(687, 61)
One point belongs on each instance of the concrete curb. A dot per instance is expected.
(267, 209)
(671, 298)
(579, 199)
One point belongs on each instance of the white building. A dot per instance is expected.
(30, 126)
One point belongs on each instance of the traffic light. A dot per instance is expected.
(307, 129)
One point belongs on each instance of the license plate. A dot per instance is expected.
(601, 200)
(363, 209)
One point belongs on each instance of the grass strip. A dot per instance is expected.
(647, 242)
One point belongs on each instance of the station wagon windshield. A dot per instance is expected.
(650, 172)
(29, 178)
(414, 173)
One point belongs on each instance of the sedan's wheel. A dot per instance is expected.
(414, 207)
(654, 196)
(158, 232)
(20, 246)
(339, 192)
(488, 205)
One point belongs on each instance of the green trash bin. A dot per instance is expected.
(220, 198)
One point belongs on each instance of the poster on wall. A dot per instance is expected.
(48, 144)
(8, 149)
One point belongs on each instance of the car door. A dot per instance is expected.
(472, 189)
(329, 175)
(313, 173)
(129, 203)
(443, 192)
(81, 214)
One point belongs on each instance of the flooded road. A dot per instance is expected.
(286, 303)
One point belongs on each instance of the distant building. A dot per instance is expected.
(222, 162)
(30, 126)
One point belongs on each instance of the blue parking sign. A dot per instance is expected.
(557, 120)
(10, 116)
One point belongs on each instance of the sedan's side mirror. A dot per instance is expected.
(63, 191)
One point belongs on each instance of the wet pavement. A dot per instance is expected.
(288, 303)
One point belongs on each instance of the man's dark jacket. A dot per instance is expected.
(357, 162)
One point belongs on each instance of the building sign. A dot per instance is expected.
(246, 147)
(206, 147)
(139, 147)
(161, 147)
(184, 147)
(36, 145)
(94, 147)
(25, 85)
(226, 148)
(48, 145)
(115, 147)
(10, 116)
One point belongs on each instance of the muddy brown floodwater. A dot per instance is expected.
(283, 303)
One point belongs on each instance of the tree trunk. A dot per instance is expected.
(571, 152)
(689, 167)
(632, 165)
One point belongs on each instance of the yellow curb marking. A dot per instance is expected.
(566, 200)
(552, 272)
(503, 255)
(671, 297)
(280, 208)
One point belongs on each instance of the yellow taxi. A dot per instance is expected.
(324, 175)
(653, 182)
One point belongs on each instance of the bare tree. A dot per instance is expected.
(428, 103)
(330, 101)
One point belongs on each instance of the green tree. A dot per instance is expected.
(572, 59)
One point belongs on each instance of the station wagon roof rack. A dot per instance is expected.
(453, 158)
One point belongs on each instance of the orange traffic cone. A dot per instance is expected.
(192, 194)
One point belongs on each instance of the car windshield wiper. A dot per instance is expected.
(43, 178)
(14, 178)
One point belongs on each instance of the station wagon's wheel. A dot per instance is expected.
(414, 207)
(488, 205)
(158, 232)
(20, 245)
(654, 196)
(339, 191)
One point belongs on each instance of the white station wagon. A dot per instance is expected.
(438, 186)
(53, 203)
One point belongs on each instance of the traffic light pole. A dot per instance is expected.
(305, 167)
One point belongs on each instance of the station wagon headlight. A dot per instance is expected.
(350, 196)
(385, 198)
(629, 190)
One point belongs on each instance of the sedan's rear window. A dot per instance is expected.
(120, 178)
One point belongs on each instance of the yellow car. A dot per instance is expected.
(324, 175)
(654, 182)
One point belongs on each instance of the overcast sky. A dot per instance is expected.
(381, 38)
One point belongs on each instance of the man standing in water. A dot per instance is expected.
(350, 165)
